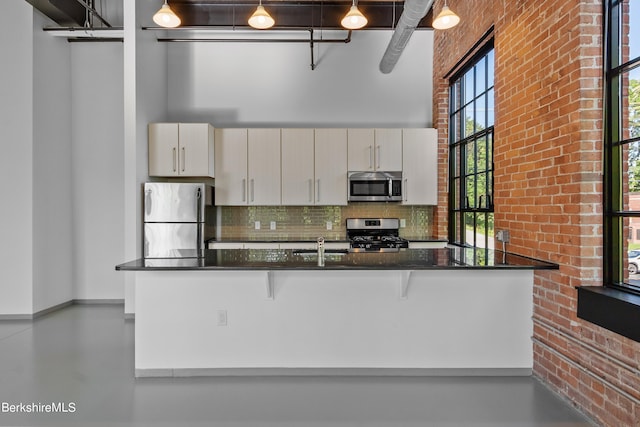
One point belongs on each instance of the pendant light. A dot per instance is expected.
(165, 17)
(261, 19)
(446, 18)
(354, 19)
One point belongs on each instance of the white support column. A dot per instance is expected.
(130, 190)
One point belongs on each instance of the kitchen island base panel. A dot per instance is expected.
(334, 320)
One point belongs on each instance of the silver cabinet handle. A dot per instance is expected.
(175, 165)
(378, 157)
(244, 190)
(252, 190)
(318, 190)
(184, 155)
(199, 219)
(370, 157)
(310, 190)
(404, 190)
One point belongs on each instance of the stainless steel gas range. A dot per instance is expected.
(375, 235)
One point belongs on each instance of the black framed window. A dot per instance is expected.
(622, 144)
(471, 120)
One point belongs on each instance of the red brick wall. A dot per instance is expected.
(548, 151)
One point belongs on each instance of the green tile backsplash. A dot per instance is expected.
(309, 222)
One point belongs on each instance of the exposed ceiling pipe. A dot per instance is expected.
(69, 13)
(92, 11)
(414, 11)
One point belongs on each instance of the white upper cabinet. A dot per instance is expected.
(305, 167)
(361, 149)
(330, 167)
(388, 149)
(420, 166)
(231, 167)
(264, 167)
(298, 167)
(375, 149)
(181, 149)
(314, 167)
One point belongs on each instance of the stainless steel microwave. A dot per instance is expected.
(375, 186)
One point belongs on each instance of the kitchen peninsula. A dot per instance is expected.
(265, 311)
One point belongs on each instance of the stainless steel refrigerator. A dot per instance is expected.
(174, 219)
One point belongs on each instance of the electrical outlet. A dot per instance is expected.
(257, 225)
(272, 225)
(329, 225)
(222, 317)
(503, 236)
(403, 223)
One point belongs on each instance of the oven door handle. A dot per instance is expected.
(390, 187)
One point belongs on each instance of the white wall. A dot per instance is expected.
(272, 84)
(97, 95)
(16, 177)
(62, 121)
(52, 213)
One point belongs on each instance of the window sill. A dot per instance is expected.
(615, 310)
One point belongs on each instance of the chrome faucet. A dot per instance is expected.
(320, 248)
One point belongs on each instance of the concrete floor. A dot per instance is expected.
(84, 355)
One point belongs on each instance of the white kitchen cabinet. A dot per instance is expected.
(330, 167)
(181, 149)
(231, 167)
(361, 149)
(420, 166)
(314, 167)
(298, 167)
(375, 149)
(248, 165)
(388, 149)
(264, 167)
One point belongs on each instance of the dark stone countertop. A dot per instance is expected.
(452, 258)
(288, 240)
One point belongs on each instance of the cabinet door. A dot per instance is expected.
(297, 167)
(388, 149)
(231, 167)
(163, 149)
(264, 167)
(361, 150)
(331, 167)
(420, 166)
(195, 149)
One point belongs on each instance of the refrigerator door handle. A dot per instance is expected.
(147, 201)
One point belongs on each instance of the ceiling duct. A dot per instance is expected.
(69, 13)
(414, 11)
